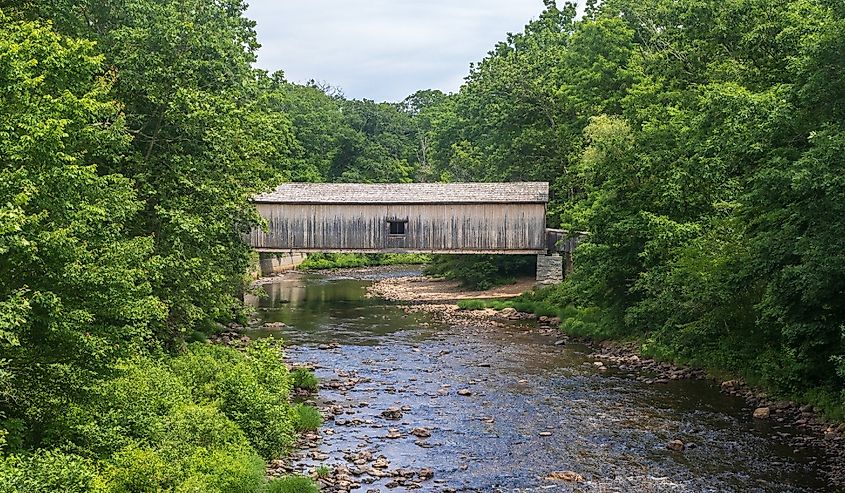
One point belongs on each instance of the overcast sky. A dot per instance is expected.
(383, 49)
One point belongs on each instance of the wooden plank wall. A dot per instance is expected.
(444, 228)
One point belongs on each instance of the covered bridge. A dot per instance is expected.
(498, 218)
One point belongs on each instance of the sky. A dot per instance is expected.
(383, 50)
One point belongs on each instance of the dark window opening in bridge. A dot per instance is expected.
(397, 228)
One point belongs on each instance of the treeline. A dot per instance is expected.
(702, 146)
(132, 135)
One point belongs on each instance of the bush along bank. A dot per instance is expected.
(646, 358)
(481, 271)
(204, 420)
(323, 261)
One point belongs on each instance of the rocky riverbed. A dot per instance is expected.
(426, 397)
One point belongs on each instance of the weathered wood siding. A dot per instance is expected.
(442, 228)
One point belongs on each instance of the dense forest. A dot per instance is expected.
(700, 144)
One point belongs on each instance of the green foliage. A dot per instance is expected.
(323, 471)
(342, 140)
(251, 388)
(201, 140)
(47, 471)
(292, 484)
(304, 379)
(582, 322)
(481, 271)
(319, 261)
(700, 144)
(163, 425)
(133, 405)
(201, 450)
(472, 304)
(202, 470)
(718, 250)
(306, 418)
(75, 294)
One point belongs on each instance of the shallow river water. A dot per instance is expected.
(535, 407)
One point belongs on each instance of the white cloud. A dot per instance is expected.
(383, 49)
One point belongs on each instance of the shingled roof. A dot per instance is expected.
(407, 193)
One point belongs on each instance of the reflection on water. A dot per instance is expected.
(329, 310)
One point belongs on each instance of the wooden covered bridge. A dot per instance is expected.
(453, 218)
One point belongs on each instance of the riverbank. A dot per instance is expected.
(422, 289)
(444, 301)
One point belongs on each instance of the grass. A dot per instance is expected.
(293, 484)
(472, 305)
(321, 261)
(579, 322)
(323, 471)
(304, 379)
(306, 418)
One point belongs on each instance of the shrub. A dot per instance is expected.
(121, 410)
(138, 468)
(203, 450)
(481, 271)
(250, 387)
(319, 261)
(306, 418)
(292, 484)
(323, 471)
(47, 471)
(304, 379)
(229, 469)
(197, 422)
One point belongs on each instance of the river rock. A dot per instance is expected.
(729, 385)
(421, 432)
(565, 476)
(392, 413)
(676, 445)
(465, 392)
(508, 312)
(761, 413)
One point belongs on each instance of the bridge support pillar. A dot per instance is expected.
(549, 269)
(275, 263)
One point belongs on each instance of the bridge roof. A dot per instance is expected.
(407, 193)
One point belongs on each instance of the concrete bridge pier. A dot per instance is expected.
(270, 263)
(549, 269)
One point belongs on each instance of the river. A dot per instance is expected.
(534, 407)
